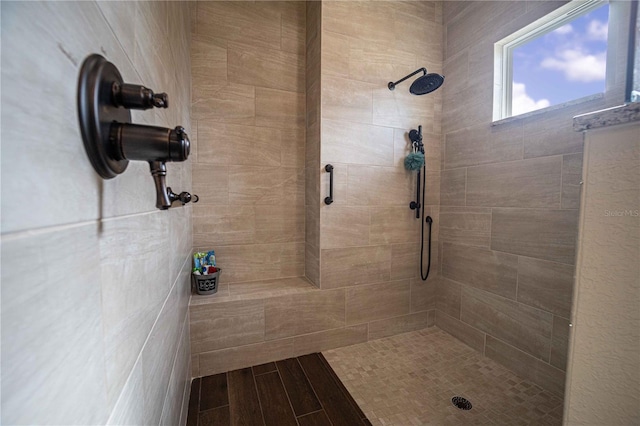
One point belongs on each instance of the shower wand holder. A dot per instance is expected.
(109, 137)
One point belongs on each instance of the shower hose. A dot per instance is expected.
(429, 220)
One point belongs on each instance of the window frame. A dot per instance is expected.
(503, 52)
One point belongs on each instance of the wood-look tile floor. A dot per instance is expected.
(409, 379)
(300, 391)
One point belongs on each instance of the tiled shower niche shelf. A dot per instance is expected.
(252, 290)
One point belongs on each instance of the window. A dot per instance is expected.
(559, 58)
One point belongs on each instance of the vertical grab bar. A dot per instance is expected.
(328, 200)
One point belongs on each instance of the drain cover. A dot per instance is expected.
(461, 403)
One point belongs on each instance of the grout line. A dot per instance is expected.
(255, 384)
(286, 393)
(313, 389)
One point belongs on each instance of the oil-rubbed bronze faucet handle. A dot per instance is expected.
(135, 96)
(160, 100)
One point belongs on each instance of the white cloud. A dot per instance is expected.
(565, 29)
(578, 66)
(521, 102)
(597, 30)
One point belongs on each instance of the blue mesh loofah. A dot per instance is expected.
(414, 161)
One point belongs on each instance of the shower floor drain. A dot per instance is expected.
(461, 403)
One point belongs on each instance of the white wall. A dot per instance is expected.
(95, 279)
(603, 379)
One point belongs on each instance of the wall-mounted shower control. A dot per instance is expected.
(109, 137)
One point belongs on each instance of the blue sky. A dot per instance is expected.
(565, 64)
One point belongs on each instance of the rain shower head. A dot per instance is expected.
(427, 83)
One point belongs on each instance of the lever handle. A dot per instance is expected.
(135, 96)
(184, 197)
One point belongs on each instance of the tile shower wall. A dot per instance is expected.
(248, 104)
(363, 251)
(95, 280)
(369, 238)
(509, 199)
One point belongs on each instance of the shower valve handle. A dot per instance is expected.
(135, 96)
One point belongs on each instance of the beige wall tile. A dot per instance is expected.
(177, 395)
(347, 100)
(481, 22)
(368, 185)
(90, 349)
(223, 325)
(377, 301)
(293, 27)
(129, 311)
(280, 223)
(404, 260)
(335, 54)
(158, 356)
(249, 262)
(461, 331)
(312, 264)
(571, 178)
(312, 190)
(313, 47)
(518, 231)
(292, 147)
(400, 109)
(304, 313)
(432, 188)
(456, 74)
(356, 143)
(559, 343)
(242, 356)
(352, 266)
(230, 144)
(228, 103)
(258, 185)
(415, 24)
(130, 406)
(481, 268)
(402, 324)
(483, 144)
(525, 365)
(527, 183)
(72, 320)
(372, 26)
(423, 294)
(526, 328)
(208, 62)
(448, 297)
(330, 339)
(263, 67)
(545, 285)
(211, 183)
(390, 225)
(312, 227)
(377, 64)
(279, 108)
(466, 226)
(540, 140)
(221, 225)
(344, 226)
(240, 21)
(453, 187)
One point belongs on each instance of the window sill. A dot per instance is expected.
(541, 111)
(627, 113)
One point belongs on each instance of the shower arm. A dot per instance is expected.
(392, 85)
